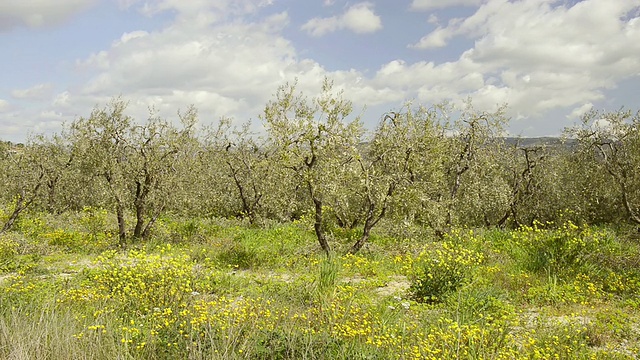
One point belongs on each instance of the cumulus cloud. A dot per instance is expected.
(536, 55)
(225, 68)
(540, 55)
(38, 13)
(228, 69)
(533, 55)
(36, 92)
(435, 39)
(578, 112)
(359, 18)
(222, 69)
(4, 105)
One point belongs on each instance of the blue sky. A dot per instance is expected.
(549, 60)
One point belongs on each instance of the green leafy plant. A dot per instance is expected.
(553, 251)
(328, 275)
(438, 271)
(8, 250)
(239, 256)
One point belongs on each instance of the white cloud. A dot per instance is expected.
(132, 35)
(4, 105)
(540, 55)
(435, 39)
(321, 26)
(578, 112)
(228, 69)
(37, 92)
(232, 67)
(38, 13)
(440, 4)
(433, 19)
(61, 100)
(225, 58)
(359, 18)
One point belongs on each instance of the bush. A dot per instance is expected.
(437, 272)
(478, 303)
(239, 256)
(8, 251)
(142, 281)
(554, 251)
(72, 240)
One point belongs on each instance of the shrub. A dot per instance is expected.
(8, 246)
(239, 256)
(142, 281)
(8, 251)
(439, 271)
(553, 251)
(79, 241)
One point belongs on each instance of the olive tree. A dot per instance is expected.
(471, 165)
(58, 162)
(612, 139)
(136, 162)
(313, 140)
(402, 158)
(31, 174)
(521, 172)
(246, 172)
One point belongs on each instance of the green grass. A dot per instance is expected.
(221, 289)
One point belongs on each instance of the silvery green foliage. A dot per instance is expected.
(612, 141)
(135, 163)
(37, 175)
(314, 140)
(22, 180)
(475, 192)
(401, 169)
(244, 178)
(456, 178)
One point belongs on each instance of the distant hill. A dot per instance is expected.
(547, 141)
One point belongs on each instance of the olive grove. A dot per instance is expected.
(435, 167)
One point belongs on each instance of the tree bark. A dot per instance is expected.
(21, 204)
(635, 217)
(137, 231)
(14, 216)
(319, 229)
(122, 226)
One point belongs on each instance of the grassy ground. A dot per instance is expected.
(217, 289)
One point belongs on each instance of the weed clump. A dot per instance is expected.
(565, 249)
(441, 270)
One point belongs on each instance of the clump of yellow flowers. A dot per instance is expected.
(440, 269)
